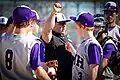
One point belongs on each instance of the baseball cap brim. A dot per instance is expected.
(73, 18)
(40, 20)
(64, 21)
(110, 10)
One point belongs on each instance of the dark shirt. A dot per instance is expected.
(55, 50)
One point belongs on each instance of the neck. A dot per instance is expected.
(88, 34)
(21, 31)
(30, 33)
(112, 24)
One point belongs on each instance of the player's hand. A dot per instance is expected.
(52, 73)
(52, 63)
(69, 47)
(57, 7)
(52, 69)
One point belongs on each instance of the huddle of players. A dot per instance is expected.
(29, 62)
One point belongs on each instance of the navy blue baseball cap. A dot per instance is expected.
(10, 20)
(61, 18)
(3, 20)
(24, 13)
(111, 6)
(85, 18)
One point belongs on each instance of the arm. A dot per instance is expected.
(107, 52)
(50, 23)
(105, 62)
(94, 60)
(94, 71)
(69, 47)
(37, 63)
(42, 74)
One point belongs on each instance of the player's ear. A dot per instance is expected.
(117, 13)
(29, 23)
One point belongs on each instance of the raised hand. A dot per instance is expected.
(57, 7)
(69, 47)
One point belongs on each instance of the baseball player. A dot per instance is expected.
(111, 11)
(87, 58)
(3, 22)
(109, 48)
(10, 28)
(22, 56)
(99, 23)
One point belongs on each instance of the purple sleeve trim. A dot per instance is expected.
(94, 54)
(108, 50)
(36, 56)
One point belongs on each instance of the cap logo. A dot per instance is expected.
(3, 20)
(85, 23)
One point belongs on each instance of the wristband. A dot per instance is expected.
(54, 12)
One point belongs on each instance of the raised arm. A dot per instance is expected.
(50, 23)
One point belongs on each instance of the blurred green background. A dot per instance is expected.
(70, 7)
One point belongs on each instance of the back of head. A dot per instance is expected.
(10, 21)
(99, 20)
(22, 14)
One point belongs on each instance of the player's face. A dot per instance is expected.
(79, 28)
(110, 16)
(35, 28)
(60, 27)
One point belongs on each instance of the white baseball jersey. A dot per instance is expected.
(81, 67)
(115, 33)
(15, 58)
(109, 42)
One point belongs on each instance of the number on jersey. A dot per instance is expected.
(8, 59)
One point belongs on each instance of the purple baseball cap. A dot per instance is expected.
(24, 13)
(85, 18)
(37, 17)
(61, 18)
(111, 6)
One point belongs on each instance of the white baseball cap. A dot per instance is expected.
(3, 20)
(61, 18)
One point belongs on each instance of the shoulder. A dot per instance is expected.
(109, 43)
(93, 45)
(93, 41)
(118, 26)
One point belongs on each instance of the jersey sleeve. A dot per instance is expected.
(94, 54)
(37, 56)
(108, 50)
